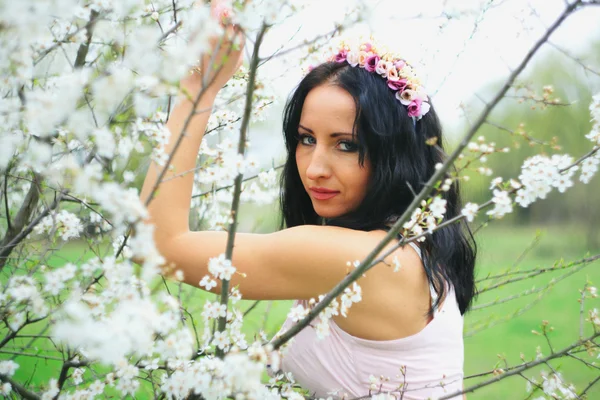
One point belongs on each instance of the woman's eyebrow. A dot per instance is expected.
(305, 128)
(336, 134)
(333, 135)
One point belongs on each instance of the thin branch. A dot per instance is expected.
(82, 52)
(538, 272)
(66, 39)
(230, 186)
(23, 354)
(582, 311)
(575, 59)
(581, 360)
(580, 159)
(20, 390)
(64, 371)
(508, 317)
(16, 234)
(279, 52)
(533, 291)
(8, 223)
(252, 307)
(523, 367)
(171, 30)
(545, 102)
(589, 386)
(525, 136)
(222, 323)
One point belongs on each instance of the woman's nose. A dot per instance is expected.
(319, 165)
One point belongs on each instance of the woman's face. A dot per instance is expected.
(327, 153)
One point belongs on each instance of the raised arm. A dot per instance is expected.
(170, 205)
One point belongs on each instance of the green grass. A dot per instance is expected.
(499, 248)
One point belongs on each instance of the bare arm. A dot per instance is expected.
(170, 205)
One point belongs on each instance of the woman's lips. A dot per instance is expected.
(323, 194)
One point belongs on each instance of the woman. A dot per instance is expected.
(355, 156)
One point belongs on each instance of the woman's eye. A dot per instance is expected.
(306, 139)
(348, 146)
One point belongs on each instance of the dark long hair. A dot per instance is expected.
(403, 158)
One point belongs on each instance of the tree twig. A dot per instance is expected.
(523, 367)
(222, 322)
(17, 233)
(21, 390)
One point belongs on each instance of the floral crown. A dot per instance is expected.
(399, 75)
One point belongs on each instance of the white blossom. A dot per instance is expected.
(67, 225)
(502, 204)
(52, 390)
(5, 389)
(438, 207)
(8, 368)
(208, 283)
(221, 268)
(297, 313)
(470, 211)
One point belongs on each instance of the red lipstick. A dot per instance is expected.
(320, 193)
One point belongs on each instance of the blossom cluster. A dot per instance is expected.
(541, 173)
(426, 218)
(481, 151)
(553, 385)
(65, 223)
(400, 77)
(339, 306)
(238, 375)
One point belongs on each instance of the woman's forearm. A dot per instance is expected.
(170, 205)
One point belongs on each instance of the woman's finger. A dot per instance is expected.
(221, 11)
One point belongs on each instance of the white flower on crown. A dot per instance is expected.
(392, 74)
(383, 67)
(362, 57)
(406, 97)
(352, 58)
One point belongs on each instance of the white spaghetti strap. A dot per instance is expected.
(417, 249)
(434, 295)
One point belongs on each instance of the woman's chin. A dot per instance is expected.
(323, 212)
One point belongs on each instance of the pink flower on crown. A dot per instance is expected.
(399, 75)
(341, 56)
(414, 108)
(371, 63)
(362, 57)
(406, 96)
(399, 84)
(383, 67)
(392, 74)
(352, 58)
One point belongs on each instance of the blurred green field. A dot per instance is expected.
(508, 336)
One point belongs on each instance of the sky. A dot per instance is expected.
(459, 47)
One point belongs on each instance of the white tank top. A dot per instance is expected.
(428, 364)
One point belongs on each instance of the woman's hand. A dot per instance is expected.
(223, 57)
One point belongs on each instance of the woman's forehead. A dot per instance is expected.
(328, 105)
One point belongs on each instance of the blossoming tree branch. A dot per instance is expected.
(87, 90)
